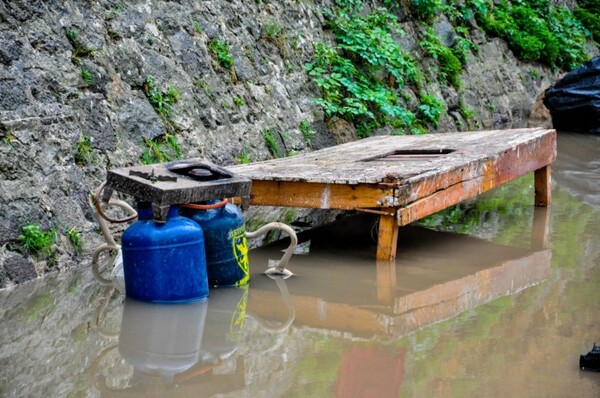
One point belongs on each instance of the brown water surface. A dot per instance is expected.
(492, 298)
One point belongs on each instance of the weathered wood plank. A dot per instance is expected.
(320, 196)
(352, 163)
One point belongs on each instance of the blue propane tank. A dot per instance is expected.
(225, 241)
(164, 262)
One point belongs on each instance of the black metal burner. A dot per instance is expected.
(174, 183)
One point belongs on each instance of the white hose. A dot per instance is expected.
(279, 267)
(110, 245)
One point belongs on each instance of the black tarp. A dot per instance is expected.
(574, 101)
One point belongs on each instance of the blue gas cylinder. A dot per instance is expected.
(225, 241)
(164, 262)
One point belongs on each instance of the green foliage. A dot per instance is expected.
(361, 79)
(161, 149)
(426, 10)
(450, 66)
(430, 109)
(206, 88)
(86, 75)
(272, 31)
(462, 46)
(114, 11)
(271, 142)
(83, 150)
(239, 101)
(535, 31)
(9, 138)
(161, 101)
(307, 132)
(79, 50)
(244, 157)
(37, 242)
(197, 27)
(220, 49)
(75, 240)
(588, 13)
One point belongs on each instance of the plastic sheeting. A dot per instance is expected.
(574, 101)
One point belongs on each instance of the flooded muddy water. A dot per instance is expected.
(492, 298)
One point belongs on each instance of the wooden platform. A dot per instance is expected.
(404, 178)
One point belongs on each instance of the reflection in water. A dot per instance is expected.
(577, 167)
(454, 316)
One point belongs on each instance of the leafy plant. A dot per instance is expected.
(450, 66)
(83, 151)
(426, 10)
(161, 101)
(588, 12)
(244, 157)
(220, 49)
(9, 138)
(75, 240)
(239, 101)
(205, 87)
(86, 75)
(112, 13)
(197, 27)
(430, 109)
(272, 31)
(271, 142)
(161, 149)
(36, 241)
(536, 31)
(359, 80)
(79, 50)
(307, 132)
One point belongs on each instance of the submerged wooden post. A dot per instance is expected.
(543, 195)
(387, 240)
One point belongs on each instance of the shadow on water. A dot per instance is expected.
(490, 298)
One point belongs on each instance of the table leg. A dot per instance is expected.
(388, 237)
(542, 186)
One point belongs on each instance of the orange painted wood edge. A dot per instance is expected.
(320, 196)
(508, 166)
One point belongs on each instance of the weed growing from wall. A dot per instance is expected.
(450, 66)
(430, 109)
(307, 132)
(75, 240)
(220, 49)
(535, 30)
(79, 49)
(164, 148)
(161, 101)
(271, 142)
(588, 13)
(83, 150)
(360, 79)
(36, 241)
(86, 75)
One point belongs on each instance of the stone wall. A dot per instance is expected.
(75, 69)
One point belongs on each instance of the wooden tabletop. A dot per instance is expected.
(407, 163)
